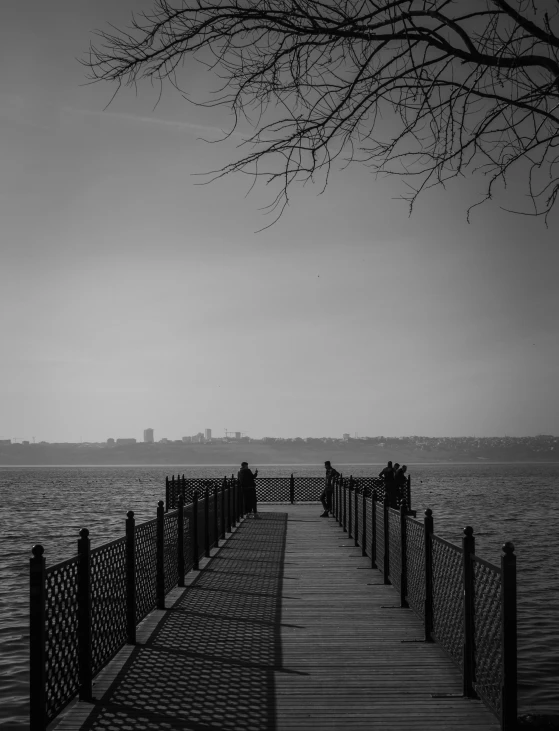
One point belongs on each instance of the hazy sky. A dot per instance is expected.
(132, 298)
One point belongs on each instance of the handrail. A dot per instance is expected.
(466, 603)
(83, 610)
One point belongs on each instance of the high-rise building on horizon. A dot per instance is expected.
(208, 434)
(148, 436)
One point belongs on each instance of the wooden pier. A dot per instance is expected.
(286, 626)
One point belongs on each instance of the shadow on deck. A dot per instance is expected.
(211, 662)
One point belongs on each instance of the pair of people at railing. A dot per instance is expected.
(247, 483)
(395, 480)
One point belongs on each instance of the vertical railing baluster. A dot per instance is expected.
(349, 513)
(130, 578)
(386, 524)
(364, 522)
(223, 488)
(344, 488)
(228, 509)
(428, 527)
(216, 518)
(84, 617)
(374, 531)
(356, 510)
(195, 551)
(160, 557)
(509, 671)
(166, 494)
(180, 541)
(468, 549)
(403, 556)
(292, 489)
(206, 523)
(37, 640)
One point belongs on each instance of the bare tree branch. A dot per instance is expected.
(472, 85)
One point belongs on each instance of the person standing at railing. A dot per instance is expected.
(327, 493)
(247, 482)
(400, 479)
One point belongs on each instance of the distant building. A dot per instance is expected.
(148, 436)
(198, 438)
(237, 435)
(25, 442)
(126, 441)
(345, 437)
(5, 442)
(164, 441)
(187, 439)
(208, 434)
(110, 442)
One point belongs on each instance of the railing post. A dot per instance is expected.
(509, 700)
(404, 556)
(356, 510)
(349, 513)
(386, 524)
(130, 578)
(292, 489)
(228, 509)
(428, 532)
(166, 494)
(223, 488)
(216, 518)
(206, 523)
(84, 616)
(180, 542)
(339, 499)
(37, 640)
(374, 530)
(344, 524)
(364, 523)
(468, 548)
(195, 551)
(160, 557)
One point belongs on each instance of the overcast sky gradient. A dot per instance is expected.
(131, 298)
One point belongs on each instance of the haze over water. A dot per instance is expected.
(501, 501)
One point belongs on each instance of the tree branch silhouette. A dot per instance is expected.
(468, 85)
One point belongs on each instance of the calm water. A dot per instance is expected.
(519, 502)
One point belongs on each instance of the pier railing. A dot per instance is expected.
(274, 489)
(466, 604)
(85, 609)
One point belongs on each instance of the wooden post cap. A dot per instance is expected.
(508, 548)
(84, 533)
(468, 531)
(428, 512)
(130, 514)
(37, 550)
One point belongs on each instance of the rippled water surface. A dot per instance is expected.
(502, 502)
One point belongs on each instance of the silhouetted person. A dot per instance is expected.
(387, 471)
(326, 496)
(401, 481)
(390, 487)
(247, 482)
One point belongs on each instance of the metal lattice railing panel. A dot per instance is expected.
(188, 548)
(170, 534)
(448, 598)
(380, 535)
(273, 489)
(146, 568)
(108, 602)
(487, 632)
(61, 635)
(395, 547)
(369, 484)
(415, 554)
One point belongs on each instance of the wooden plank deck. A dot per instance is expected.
(286, 627)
